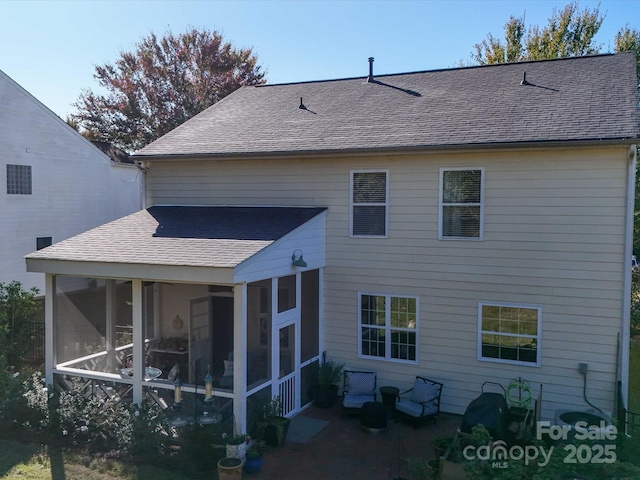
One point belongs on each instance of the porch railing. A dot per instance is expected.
(288, 394)
(629, 422)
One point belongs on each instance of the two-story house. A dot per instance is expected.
(53, 182)
(467, 225)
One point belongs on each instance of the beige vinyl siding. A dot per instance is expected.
(554, 223)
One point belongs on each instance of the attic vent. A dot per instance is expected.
(370, 78)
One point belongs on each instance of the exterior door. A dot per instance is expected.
(288, 373)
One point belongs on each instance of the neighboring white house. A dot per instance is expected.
(466, 225)
(53, 182)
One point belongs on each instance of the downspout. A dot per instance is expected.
(626, 301)
(144, 168)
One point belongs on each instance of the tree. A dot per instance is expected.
(18, 307)
(569, 33)
(160, 85)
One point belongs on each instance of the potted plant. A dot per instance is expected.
(440, 445)
(253, 462)
(230, 468)
(275, 425)
(236, 445)
(328, 377)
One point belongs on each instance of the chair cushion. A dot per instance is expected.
(361, 383)
(356, 401)
(415, 409)
(228, 368)
(424, 391)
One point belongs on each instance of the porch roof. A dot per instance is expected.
(186, 236)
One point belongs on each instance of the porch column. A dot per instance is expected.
(50, 354)
(138, 340)
(110, 334)
(240, 357)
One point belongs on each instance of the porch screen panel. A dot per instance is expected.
(93, 322)
(310, 315)
(258, 333)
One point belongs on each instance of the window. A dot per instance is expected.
(388, 327)
(369, 194)
(509, 333)
(461, 195)
(286, 293)
(42, 242)
(18, 179)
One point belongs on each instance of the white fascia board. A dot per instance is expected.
(175, 273)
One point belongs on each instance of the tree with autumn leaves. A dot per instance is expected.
(161, 84)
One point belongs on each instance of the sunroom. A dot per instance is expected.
(221, 304)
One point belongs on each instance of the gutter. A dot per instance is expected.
(392, 150)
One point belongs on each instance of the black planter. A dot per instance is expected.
(275, 430)
(325, 396)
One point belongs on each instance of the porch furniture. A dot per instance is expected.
(373, 416)
(389, 396)
(358, 389)
(422, 402)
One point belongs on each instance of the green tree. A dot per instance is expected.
(18, 307)
(160, 85)
(569, 33)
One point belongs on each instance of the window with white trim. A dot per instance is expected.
(461, 202)
(388, 327)
(369, 203)
(18, 179)
(509, 333)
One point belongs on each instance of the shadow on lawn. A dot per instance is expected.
(15, 453)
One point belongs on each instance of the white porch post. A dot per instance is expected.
(240, 357)
(110, 334)
(50, 354)
(138, 340)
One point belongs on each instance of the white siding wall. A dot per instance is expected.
(553, 237)
(75, 186)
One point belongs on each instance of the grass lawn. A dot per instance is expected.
(634, 376)
(31, 461)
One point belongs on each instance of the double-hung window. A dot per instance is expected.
(461, 203)
(18, 179)
(369, 203)
(388, 327)
(509, 333)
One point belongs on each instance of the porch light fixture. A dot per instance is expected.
(297, 260)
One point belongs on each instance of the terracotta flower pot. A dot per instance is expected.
(230, 468)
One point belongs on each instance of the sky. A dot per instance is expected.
(51, 47)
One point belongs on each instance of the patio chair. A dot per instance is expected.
(358, 389)
(423, 403)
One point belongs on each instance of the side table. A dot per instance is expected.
(389, 397)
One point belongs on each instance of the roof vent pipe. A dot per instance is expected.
(370, 78)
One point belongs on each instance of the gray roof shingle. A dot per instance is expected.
(182, 236)
(572, 99)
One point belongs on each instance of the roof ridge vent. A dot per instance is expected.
(370, 77)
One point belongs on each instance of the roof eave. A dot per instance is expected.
(620, 141)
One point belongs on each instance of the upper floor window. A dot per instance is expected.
(461, 202)
(509, 333)
(388, 327)
(369, 203)
(18, 179)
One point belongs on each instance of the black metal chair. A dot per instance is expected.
(358, 389)
(423, 403)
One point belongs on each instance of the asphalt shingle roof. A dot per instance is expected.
(573, 99)
(182, 236)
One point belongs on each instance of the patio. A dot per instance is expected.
(342, 449)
